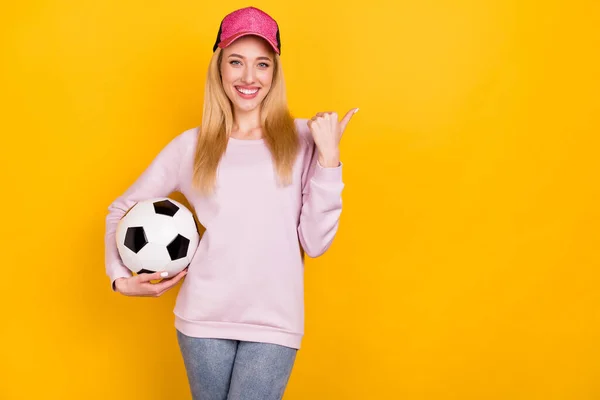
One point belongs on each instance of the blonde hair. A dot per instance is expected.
(279, 131)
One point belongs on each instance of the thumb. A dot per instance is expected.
(145, 277)
(346, 119)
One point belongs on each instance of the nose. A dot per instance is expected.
(248, 75)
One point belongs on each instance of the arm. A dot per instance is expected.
(321, 204)
(159, 179)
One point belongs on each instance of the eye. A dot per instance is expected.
(233, 62)
(264, 65)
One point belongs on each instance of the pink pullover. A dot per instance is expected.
(245, 281)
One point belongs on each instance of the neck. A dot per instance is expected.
(246, 122)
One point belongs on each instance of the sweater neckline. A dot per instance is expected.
(246, 141)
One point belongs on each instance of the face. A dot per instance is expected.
(247, 72)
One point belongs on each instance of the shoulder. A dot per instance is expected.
(185, 139)
(188, 136)
(181, 144)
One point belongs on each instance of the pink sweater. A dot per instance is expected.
(245, 281)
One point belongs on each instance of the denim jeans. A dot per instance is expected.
(222, 369)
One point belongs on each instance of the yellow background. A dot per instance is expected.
(466, 265)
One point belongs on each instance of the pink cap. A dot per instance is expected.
(248, 21)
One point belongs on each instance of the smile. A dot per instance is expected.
(246, 91)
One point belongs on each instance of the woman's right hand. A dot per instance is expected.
(139, 285)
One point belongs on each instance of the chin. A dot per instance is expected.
(245, 107)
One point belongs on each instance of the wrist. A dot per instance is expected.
(118, 284)
(330, 159)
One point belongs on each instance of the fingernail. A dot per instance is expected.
(355, 111)
(164, 274)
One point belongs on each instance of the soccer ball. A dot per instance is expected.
(157, 234)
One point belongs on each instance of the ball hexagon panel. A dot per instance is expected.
(160, 229)
(138, 214)
(154, 257)
(131, 260)
(177, 265)
(185, 224)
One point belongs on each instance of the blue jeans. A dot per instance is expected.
(221, 369)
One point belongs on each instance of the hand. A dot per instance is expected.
(139, 285)
(327, 133)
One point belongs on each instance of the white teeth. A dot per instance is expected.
(246, 91)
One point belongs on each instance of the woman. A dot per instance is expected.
(267, 188)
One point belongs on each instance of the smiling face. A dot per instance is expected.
(247, 72)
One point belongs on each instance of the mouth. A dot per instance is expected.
(247, 92)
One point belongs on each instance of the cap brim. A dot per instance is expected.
(233, 38)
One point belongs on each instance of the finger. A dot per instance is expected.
(168, 283)
(146, 277)
(161, 290)
(346, 119)
(322, 114)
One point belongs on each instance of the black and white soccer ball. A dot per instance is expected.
(157, 234)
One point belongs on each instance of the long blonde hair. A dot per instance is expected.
(279, 131)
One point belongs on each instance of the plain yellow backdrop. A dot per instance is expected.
(466, 265)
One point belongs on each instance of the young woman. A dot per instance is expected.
(267, 188)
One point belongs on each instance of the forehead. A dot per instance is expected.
(250, 46)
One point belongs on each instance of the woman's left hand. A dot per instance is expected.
(327, 133)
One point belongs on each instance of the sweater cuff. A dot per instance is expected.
(328, 174)
(122, 272)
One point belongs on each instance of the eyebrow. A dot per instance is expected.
(243, 58)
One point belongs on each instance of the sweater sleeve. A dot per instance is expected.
(321, 203)
(160, 179)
